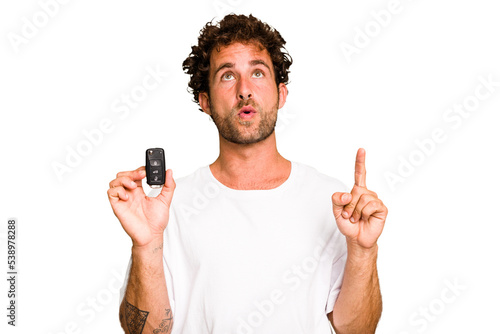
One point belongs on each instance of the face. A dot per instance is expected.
(243, 99)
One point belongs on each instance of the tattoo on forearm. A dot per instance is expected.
(166, 324)
(159, 248)
(135, 318)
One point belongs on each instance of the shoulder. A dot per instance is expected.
(197, 177)
(310, 176)
(195, 187)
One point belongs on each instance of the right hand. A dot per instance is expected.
(143, 218)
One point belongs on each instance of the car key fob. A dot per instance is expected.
(155, 167)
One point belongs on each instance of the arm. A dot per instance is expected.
(146, 305)
(359, 304)
(360, 216)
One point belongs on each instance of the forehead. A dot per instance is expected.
(238, 51)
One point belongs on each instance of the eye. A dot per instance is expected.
(227, 76)
(258, 74)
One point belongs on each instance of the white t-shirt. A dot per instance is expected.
(253, 261)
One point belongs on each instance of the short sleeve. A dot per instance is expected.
(338, 265)
(170, 284)
(125, 281)
(337, 277)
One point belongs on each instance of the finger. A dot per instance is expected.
(339, 200)
(167, 191)
(123, 181)
(357, 193)
(359, 169)
(372, 209)
(375, 209)
(364, 200)
(117, 193)
(135, 175)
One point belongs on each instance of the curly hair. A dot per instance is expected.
(234, 28)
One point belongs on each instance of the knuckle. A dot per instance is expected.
(369, 197)
(111, 194)
(356, 190)
(361, 202)
(369, 208)
(362, 197)
(125, 181)
(349, 207)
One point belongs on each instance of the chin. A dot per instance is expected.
(251, 139)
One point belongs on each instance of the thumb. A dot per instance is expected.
(167, 192)
(339, 200)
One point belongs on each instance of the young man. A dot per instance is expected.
(252, 243)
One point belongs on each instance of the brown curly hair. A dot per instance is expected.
(234, 28)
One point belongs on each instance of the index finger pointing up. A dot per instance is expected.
(359, 169)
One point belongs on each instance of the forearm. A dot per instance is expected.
(359, 304)
(146, 305)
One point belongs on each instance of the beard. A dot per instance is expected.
(230, 128)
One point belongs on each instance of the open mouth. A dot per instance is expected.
(247, 112)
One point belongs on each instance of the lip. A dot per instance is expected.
(246, 110)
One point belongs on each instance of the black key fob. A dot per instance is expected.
(155, 167)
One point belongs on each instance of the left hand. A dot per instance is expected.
(360, 214)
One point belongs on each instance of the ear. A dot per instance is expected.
(204, 102)
(282, 94)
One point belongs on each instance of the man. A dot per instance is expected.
(252, 243)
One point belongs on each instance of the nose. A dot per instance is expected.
(247, 97)
(244, 90)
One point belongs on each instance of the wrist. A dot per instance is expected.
(154, 247)
(356, 251)
(147, 259)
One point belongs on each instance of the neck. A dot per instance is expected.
(250, 166)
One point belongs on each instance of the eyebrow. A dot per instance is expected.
(260, 62)
(222, 66)
(252, 63)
